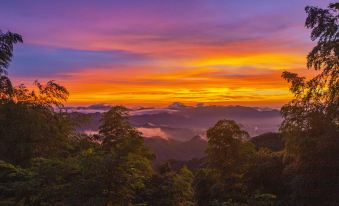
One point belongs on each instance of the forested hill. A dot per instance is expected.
(195, 148)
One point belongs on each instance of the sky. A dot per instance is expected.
(154, 52)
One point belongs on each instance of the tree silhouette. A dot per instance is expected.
(29, 126)
(311, 126)
(322, 91)
(7, 40)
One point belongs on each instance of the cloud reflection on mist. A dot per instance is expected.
(153, 132)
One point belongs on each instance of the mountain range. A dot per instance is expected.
(181, 122)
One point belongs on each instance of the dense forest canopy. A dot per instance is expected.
(43, 161)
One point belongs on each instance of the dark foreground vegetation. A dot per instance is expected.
(45, 162)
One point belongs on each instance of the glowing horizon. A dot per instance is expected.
(153, 53)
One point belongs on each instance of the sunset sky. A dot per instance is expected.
(154, 52)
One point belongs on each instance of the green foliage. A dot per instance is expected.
(206, 186)
(13, 183)
(50, 182)
(169, 188)
(90, 174)
(265, 174)
(41, 132)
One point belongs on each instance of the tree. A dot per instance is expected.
(321, 93)
(115, 127)
(229, 154)
(227, 149)
(7, 40)
(311, 126)
(29, 126)
(120, 164)
(324, 56)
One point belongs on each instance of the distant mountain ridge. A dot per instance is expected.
(180, 122)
